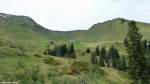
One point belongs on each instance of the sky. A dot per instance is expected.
(66, 15)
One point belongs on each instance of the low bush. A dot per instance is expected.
(78, 66)
(51, 61)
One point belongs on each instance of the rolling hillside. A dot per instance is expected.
(24, 28)
(23, 41)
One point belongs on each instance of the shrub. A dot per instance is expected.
(51, 61)
(78, 66)
(37, 55)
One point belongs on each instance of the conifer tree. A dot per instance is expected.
(63, 50)
(145, 45)
(137, 60)
(71, 52)
(103, 53)
(93, 58)
(149, 45)
(125, 42)
(101, 61)
(97, 51)
(88, 50)
(124, 63)
(102, 57)
(113, 56)
(121, 64)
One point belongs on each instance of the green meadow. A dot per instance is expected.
(23, 42)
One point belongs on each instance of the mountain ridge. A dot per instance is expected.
(25, 28)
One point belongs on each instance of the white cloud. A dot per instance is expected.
(76, 14)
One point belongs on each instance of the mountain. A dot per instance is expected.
(111, 30)
(23, 28)
(23, 41)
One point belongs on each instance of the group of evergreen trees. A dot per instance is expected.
(61, 51)
(109, 59)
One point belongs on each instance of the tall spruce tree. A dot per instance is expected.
(101, 61)
(71, 52)
(113, 56)
(125, 42)
(93, 58)
(97, 51)
(88, 50)
(149, 45)
(63, 50)
(102, 57)
(103, 52)
(124, 63)
(145, 45)
(137, 61)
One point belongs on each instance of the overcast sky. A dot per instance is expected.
(77, 14)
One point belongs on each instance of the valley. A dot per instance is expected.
(23, 42)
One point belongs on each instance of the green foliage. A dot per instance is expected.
(23, 75)
(54, 72)
(113, 56)
(31, 76)
(144, 45)
(51, 61)
(103, 52)
(61, 51)
(93, 76)
(38, 55)
(137, 60)
(88, 50)
(125, 42)
(21, 37)
(97, 51)
(71, 52)
(121, 64)
(94, 58)
(102, 57)
(101, 61)
(79, 66)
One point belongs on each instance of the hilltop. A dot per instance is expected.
(24, 28)
(23, 42)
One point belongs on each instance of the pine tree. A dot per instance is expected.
(115, 59)
(102, 57)
(71, 52)
(149, 45)
(97, 51)
(88, 50)
(124, 63)
(107, 62)
(93, 58)
(145, 45)
(125, 42)
(72, 48)
(101, 61)
(137, 60)
(103, 53)
(63, 50)
(113, 56)
(121, 64)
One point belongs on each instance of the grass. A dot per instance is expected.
(22, 41)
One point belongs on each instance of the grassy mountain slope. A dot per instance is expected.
(24, 28)
(22, 40)
(112, 30)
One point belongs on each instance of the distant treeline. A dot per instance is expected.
(61, 51)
